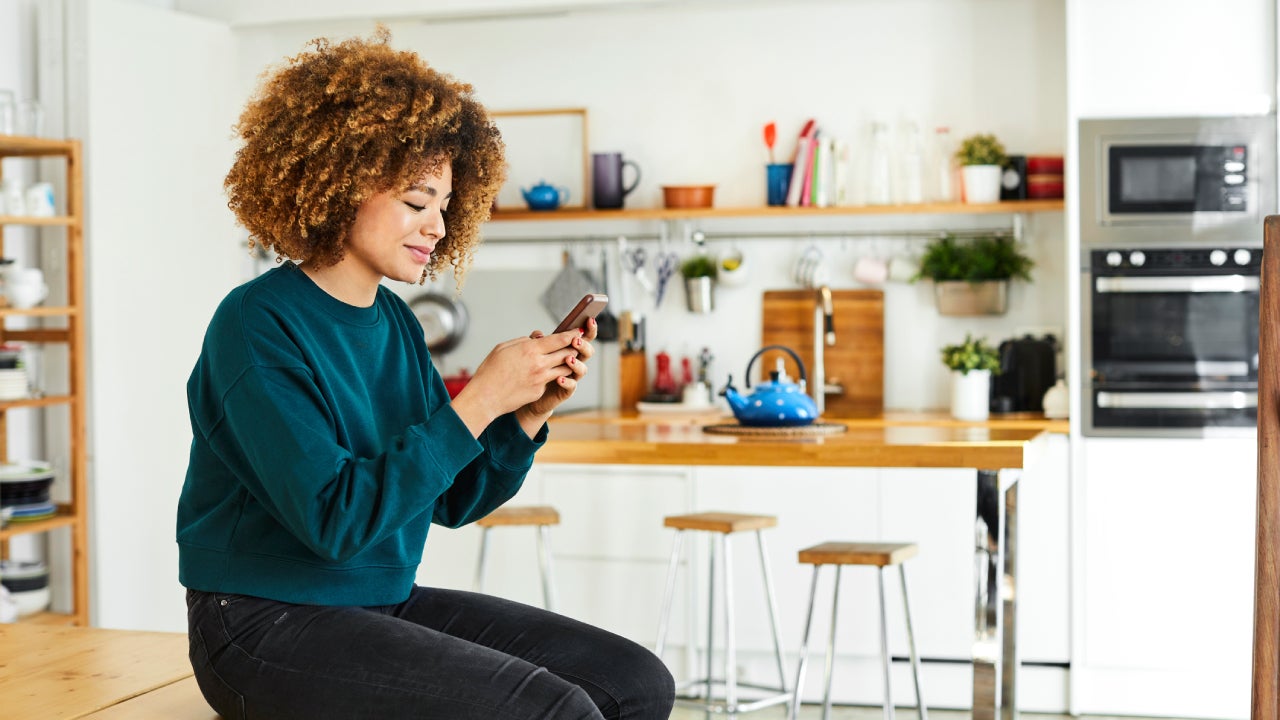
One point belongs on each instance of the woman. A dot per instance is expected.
(324, 443)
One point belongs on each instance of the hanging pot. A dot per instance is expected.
(444, 320)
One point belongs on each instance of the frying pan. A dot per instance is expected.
(444, 320)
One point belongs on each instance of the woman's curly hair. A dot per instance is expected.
(342, 122)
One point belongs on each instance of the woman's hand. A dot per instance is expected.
(517, 373)
(562, 388)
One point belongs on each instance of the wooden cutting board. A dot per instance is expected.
(856, 361)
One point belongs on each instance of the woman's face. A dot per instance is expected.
(395, 232)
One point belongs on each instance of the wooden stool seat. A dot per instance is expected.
(720, 522)
(541, 517)
(858, 553)
(526, 515)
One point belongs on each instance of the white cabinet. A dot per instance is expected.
(1206, 58)
(1167, 537)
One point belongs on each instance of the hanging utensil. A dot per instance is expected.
(667, 263)
(566, 289)
(606, 322)
(633, 260)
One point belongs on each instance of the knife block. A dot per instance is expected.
(633, 379)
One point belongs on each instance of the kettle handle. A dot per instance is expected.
(784, 348)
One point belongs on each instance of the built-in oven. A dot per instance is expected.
(1171, 340)
(1165, 181)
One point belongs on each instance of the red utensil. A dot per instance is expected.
(770, 135)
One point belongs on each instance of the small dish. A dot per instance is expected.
(688, 196)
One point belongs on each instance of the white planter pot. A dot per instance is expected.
(970, 394)
(981, 183)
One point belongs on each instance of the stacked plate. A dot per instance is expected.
(13, 384)
(24, 490)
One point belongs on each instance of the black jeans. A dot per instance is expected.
(443, 654)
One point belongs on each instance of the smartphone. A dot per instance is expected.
(588, 307)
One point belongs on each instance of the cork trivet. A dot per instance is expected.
(817, 428)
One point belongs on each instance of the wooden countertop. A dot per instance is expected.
(896, 439)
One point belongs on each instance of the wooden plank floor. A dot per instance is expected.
(177, 701)
(60, 672)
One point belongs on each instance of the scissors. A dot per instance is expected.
(633, 260)
(666, 268)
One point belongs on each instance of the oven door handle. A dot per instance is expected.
(1229, 400)
(1189, 283)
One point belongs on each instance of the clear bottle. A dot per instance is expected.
(879, 177)
(944, 169)
(912, 164)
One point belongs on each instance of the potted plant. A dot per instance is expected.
(971, 276)
(982, 158)
(699, 272)
(971, 362)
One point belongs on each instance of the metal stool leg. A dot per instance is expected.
(484, 556)
(911, 645)
(773, 610)
(804, 647)
(711, 607)
(831, 650)
(548, 572)
(668, 594)
(730, 646)
(884, 648)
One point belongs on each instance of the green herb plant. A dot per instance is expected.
(974, 260)
(700, 265)
(972, 354)
(981, 150)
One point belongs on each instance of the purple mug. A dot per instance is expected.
(607, 189)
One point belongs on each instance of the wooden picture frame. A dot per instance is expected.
(545, 145)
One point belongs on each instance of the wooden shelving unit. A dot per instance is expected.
(72, 514)
(1016, 206)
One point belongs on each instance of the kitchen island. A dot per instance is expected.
(996, 451)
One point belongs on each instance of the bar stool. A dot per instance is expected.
(543, 516)
(840, 554)
(725, 524)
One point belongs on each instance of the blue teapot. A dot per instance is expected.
(775, 403)
(545, 197)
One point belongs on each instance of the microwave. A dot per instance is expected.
(1165, 181)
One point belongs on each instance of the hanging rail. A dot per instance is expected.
(700, 236)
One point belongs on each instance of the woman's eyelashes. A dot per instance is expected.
(416, 208)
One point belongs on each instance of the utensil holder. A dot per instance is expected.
(700, 294)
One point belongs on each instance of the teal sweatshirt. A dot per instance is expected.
(323, 447)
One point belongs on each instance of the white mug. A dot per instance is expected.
(870, 270)
(902, 269)
(40, 200)
(26, 295)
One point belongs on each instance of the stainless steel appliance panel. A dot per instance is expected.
(1169, 181)
(1171, 341)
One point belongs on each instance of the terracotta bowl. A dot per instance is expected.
(688, 196)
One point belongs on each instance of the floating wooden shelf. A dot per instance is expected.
(1014, 206)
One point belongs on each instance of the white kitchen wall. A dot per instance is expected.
(685, 93)
(161, 250)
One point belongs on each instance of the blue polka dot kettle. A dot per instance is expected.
(777, 402)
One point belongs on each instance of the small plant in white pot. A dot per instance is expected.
(972, 363)
(982, 158)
